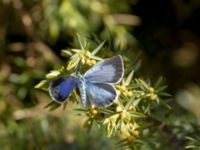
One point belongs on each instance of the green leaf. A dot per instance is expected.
(52, 105)
(190, 147)
(129, 78)
(137, 65)
(158, 82)
(65, 53)
(136, 102)
(162, 88)
(82, 41)
(76, 50)
(191, 139)
(53, 74)
(105, 111)
(96, 50)
(81, 109)
(129, 103)
(73, 62)
(142, 83)
(96, 58)
(122, 144)
(43, 85)
(165, 94)
(137, 114)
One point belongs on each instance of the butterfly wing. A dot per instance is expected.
(60, 89)
(100, 94)
(107, 71)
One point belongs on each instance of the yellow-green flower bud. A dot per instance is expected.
(129, 93)
(151, 90)
(119, 109)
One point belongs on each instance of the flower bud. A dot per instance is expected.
(151, 90)
(93, 62)
(94, 111)
(129, 93)
(119, 109)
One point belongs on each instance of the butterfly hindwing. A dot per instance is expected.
(100, 94)
(107, 71)
(61, 88)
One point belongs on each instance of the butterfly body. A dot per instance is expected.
(96, 86)
(82, 89)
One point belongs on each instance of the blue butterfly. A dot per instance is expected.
(96, 86)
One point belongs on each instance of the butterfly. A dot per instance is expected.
(96, 86)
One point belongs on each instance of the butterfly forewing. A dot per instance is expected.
(100, 94)
(107, 71)
(61, 88)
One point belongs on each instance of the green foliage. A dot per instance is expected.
(72, 16)
(194, 143)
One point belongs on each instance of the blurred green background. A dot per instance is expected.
(33, 33)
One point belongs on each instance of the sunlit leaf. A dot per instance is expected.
(129, 78)
(96, 50)
(43, 85)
